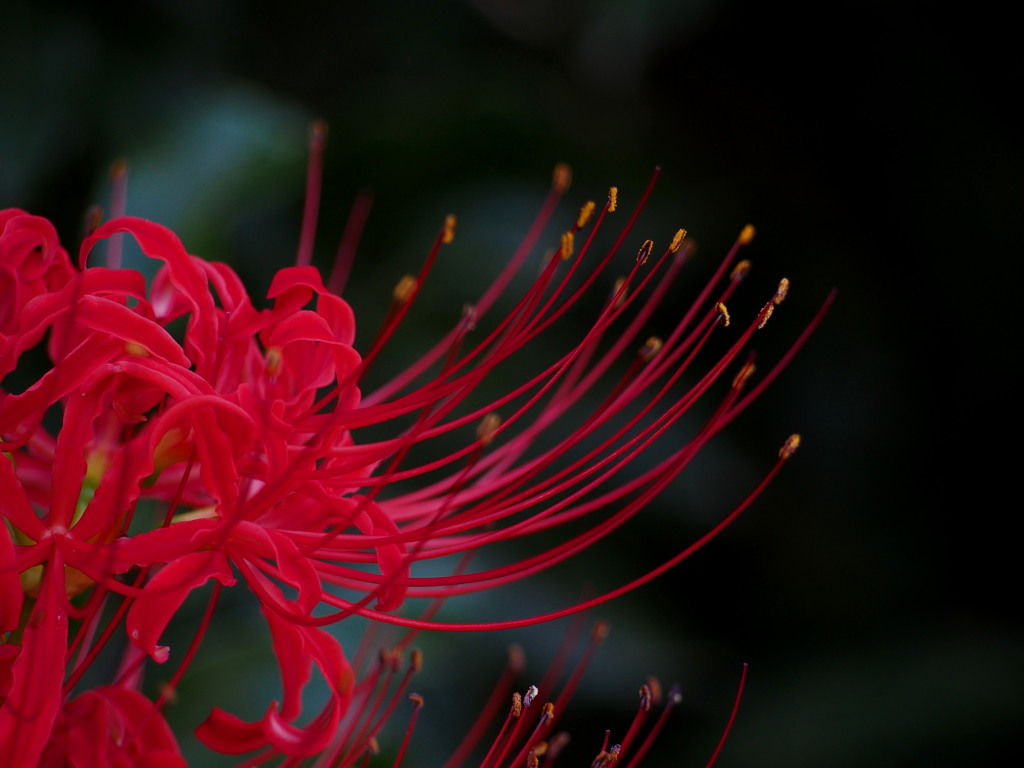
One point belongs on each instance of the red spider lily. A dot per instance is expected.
(243, 435)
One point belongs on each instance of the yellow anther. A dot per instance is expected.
(746, 234)
(723, 313)
(677, 241)
(517, 704)
(781, 292)
(516, 658)
(585, 213)
(416, 660)
(135, 349)
(469, 316)
(273, 361)
(789, 447)
(600, 631)
(547, 711)
(654, 685)
(93, 218)
(644, 252)
(405, 289)
(562, 178)
(613, 198)
(448, 232)
(568, 241)
(118, 169)
(744, 373)
(487, 427)
(650, 348)
(768, 309)
(557, 744)
(168, 692)
(618, 291)
(740, 271)
(416, 699)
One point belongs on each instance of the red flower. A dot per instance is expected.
(244, 438)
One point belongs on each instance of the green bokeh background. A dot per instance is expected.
(875, 148)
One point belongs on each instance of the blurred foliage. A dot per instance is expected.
(871, 146)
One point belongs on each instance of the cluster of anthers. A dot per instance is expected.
(178, 438)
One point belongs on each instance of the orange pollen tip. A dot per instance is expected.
(118, 169)
(547, 711)
(169, 693)
(746, 234)
(374, 745)
(273, 361)
(789, 447)
(448, 231)
(617, 291)
(613, 199)
(781, 292)
(405, 289)
(540, 749)
(517, 704)
(416, 699)
(655, 687)
(135, 349)
(724, 313)
(567, 245)
(677, 241)
(318, 133)
(532, 761)
(93, 218)
(469, 316)
(487, 428)
(561, 178)
(744, 373)
(557, 744)
(740, 271)
(768, 309)
(416, 660)
(644, 252)
(600, 631)
(585, 213)
(516, 658)
(650, 348)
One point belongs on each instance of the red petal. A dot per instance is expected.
(28, 713)
(165, 593)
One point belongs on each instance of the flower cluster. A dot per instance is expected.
(180, 437)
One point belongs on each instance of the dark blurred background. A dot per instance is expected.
(877, 148)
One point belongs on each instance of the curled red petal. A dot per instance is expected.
(118, 321)
(158, 242)
(297, 648)
(374, 521)
(165, 593)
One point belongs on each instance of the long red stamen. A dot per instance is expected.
(314, 180)
(732, 718)
(349, 241)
